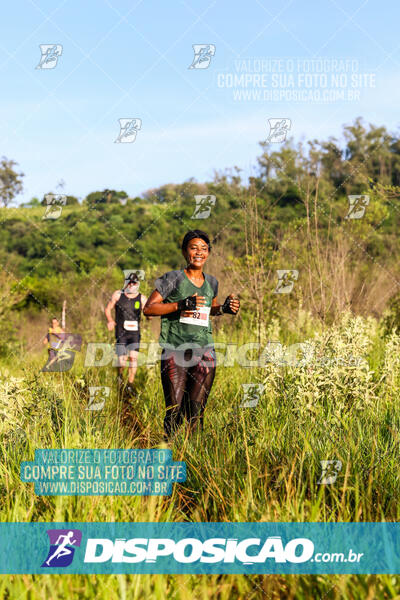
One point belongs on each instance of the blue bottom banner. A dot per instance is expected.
(208, 548)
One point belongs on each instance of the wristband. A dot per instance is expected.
(188, 303)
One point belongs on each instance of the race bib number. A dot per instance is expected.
(131, 325)
(199, 317)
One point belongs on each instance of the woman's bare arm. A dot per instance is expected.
(155, 307)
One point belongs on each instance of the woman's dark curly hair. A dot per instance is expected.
(195, 233)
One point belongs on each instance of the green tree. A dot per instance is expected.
(10, 181)
(106, 197)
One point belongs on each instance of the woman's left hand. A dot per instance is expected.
(234, 303)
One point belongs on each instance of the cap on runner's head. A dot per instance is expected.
(132, 278)
(195, 233)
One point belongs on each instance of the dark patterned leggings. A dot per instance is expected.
(187, 377)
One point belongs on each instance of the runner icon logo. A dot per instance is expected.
(50, 54)
(330, 471)
(62, 547)
(128, 129)
(98, 397)
(127, 272)
(357, 206)
(54, 204)
(286, 279)
(251, 394)
(203, 206)
(278, 130)
(202, 55)
(64, 353)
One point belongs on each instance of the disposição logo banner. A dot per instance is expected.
(297, 548)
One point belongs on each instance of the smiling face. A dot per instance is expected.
(54, 323)
(196, 253)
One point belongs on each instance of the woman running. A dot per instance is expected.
(185, 300)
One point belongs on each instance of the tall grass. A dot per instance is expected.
(249, 464)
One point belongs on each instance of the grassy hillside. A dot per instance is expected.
(268, 469)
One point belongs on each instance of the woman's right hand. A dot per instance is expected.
(200, 301)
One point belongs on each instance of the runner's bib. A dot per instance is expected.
(131, 325)
(200, 317)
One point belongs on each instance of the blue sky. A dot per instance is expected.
(130, 59)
